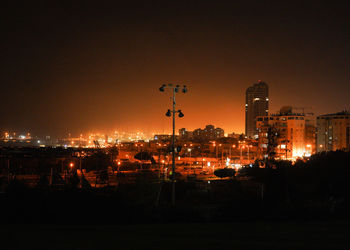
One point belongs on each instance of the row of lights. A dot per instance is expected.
(234, 146)
(177, 88)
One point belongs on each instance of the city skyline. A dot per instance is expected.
(188, 124)
(70, 68)
(150, 132)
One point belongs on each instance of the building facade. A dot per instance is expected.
(333, 132)
(257, 104)
(207, 134)
(293, 132)
(185, 135)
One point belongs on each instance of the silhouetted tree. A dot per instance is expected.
(225, 172)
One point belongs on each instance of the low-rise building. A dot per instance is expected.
(207, 134)
(185, 135)
(164, 137)
(333, 132)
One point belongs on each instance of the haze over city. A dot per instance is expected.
(85, 67)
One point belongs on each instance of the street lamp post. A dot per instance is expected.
(175, 89)
(189, 150)
(248, 146)
(222, 160)
(241, 154)
(233, 146)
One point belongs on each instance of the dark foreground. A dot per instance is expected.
(247, 235)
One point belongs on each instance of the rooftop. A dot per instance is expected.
(283, 114)
(344, 112)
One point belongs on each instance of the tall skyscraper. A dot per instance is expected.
(257, 104)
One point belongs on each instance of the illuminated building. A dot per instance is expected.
(163, 138)
(333, 132)
(212, 133)
(206, 134)
(198, 134)
(257, 104)
(209, 132)
(294, 134)
(185, 135)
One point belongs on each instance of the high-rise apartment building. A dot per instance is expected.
(257, 104)
(333, 132)
(294, 134)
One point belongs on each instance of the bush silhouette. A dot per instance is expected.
(225, 172)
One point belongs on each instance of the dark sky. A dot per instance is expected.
(94, 66)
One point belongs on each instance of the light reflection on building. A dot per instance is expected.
(294, 133)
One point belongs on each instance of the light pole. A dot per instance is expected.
(233, 146)
(189, 150)
(222, 159)
(241, 154)
(248, 146)
(175, 89)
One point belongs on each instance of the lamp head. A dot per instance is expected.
(181, 114)
(184, 90)
(161, 89)
(168, 113)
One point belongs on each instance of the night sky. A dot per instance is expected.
(93, 66)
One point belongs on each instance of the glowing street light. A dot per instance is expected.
(249, 146)
(233, 146)
(190, 150)
(309, 151)
(175, 89)
(180, 113)
(241, 153)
